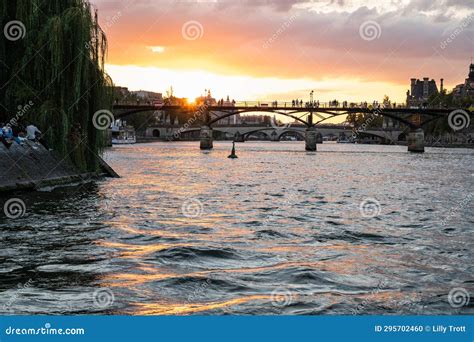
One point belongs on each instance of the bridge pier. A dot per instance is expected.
(205, 138)
(274, 136)
(238, 137)
(310, 139)
(416, 141)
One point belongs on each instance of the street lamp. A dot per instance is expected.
(311, 97)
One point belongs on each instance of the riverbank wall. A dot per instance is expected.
(31, 167)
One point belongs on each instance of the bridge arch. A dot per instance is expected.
(262, 110)
(285, 132)
(277, 132)
(258, 131)
(434, 116)
(246, 134)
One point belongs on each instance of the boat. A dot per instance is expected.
(123, 134)
(344, 141)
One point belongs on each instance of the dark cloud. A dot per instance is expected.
(468, 4)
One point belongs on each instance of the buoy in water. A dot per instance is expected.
(232, 154)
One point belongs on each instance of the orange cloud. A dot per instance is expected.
(292, 40)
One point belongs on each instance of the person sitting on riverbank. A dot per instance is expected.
(34, 134)
(6, 136)
(31, 131)
(19, 133)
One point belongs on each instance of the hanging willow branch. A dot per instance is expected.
(59, 65)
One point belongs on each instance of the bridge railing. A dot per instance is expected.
(330, 104)
(299, 104)
(293, 104)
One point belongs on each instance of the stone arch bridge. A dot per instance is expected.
(243, 132)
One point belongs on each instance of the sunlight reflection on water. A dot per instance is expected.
(276, 231)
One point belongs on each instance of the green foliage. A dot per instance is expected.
(445, 100)
(58, 66)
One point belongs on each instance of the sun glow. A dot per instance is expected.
(193, 83)
(157, 49)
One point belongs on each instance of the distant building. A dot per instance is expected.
(466, 88)
(420, 91)
(120, 91)
(210, 101)
(148, 95)
(256, 119)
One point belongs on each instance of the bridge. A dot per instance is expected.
(309, 115)
(244, 132)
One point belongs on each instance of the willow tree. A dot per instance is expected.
(52, 55)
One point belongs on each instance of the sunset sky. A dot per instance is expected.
(282, 49)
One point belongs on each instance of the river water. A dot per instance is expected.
(350, 229)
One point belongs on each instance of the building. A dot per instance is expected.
(467, 88)
(207, 100)
(210, 101)
(147, 95)
(255, 119)
(420, 91)
(120, 91)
